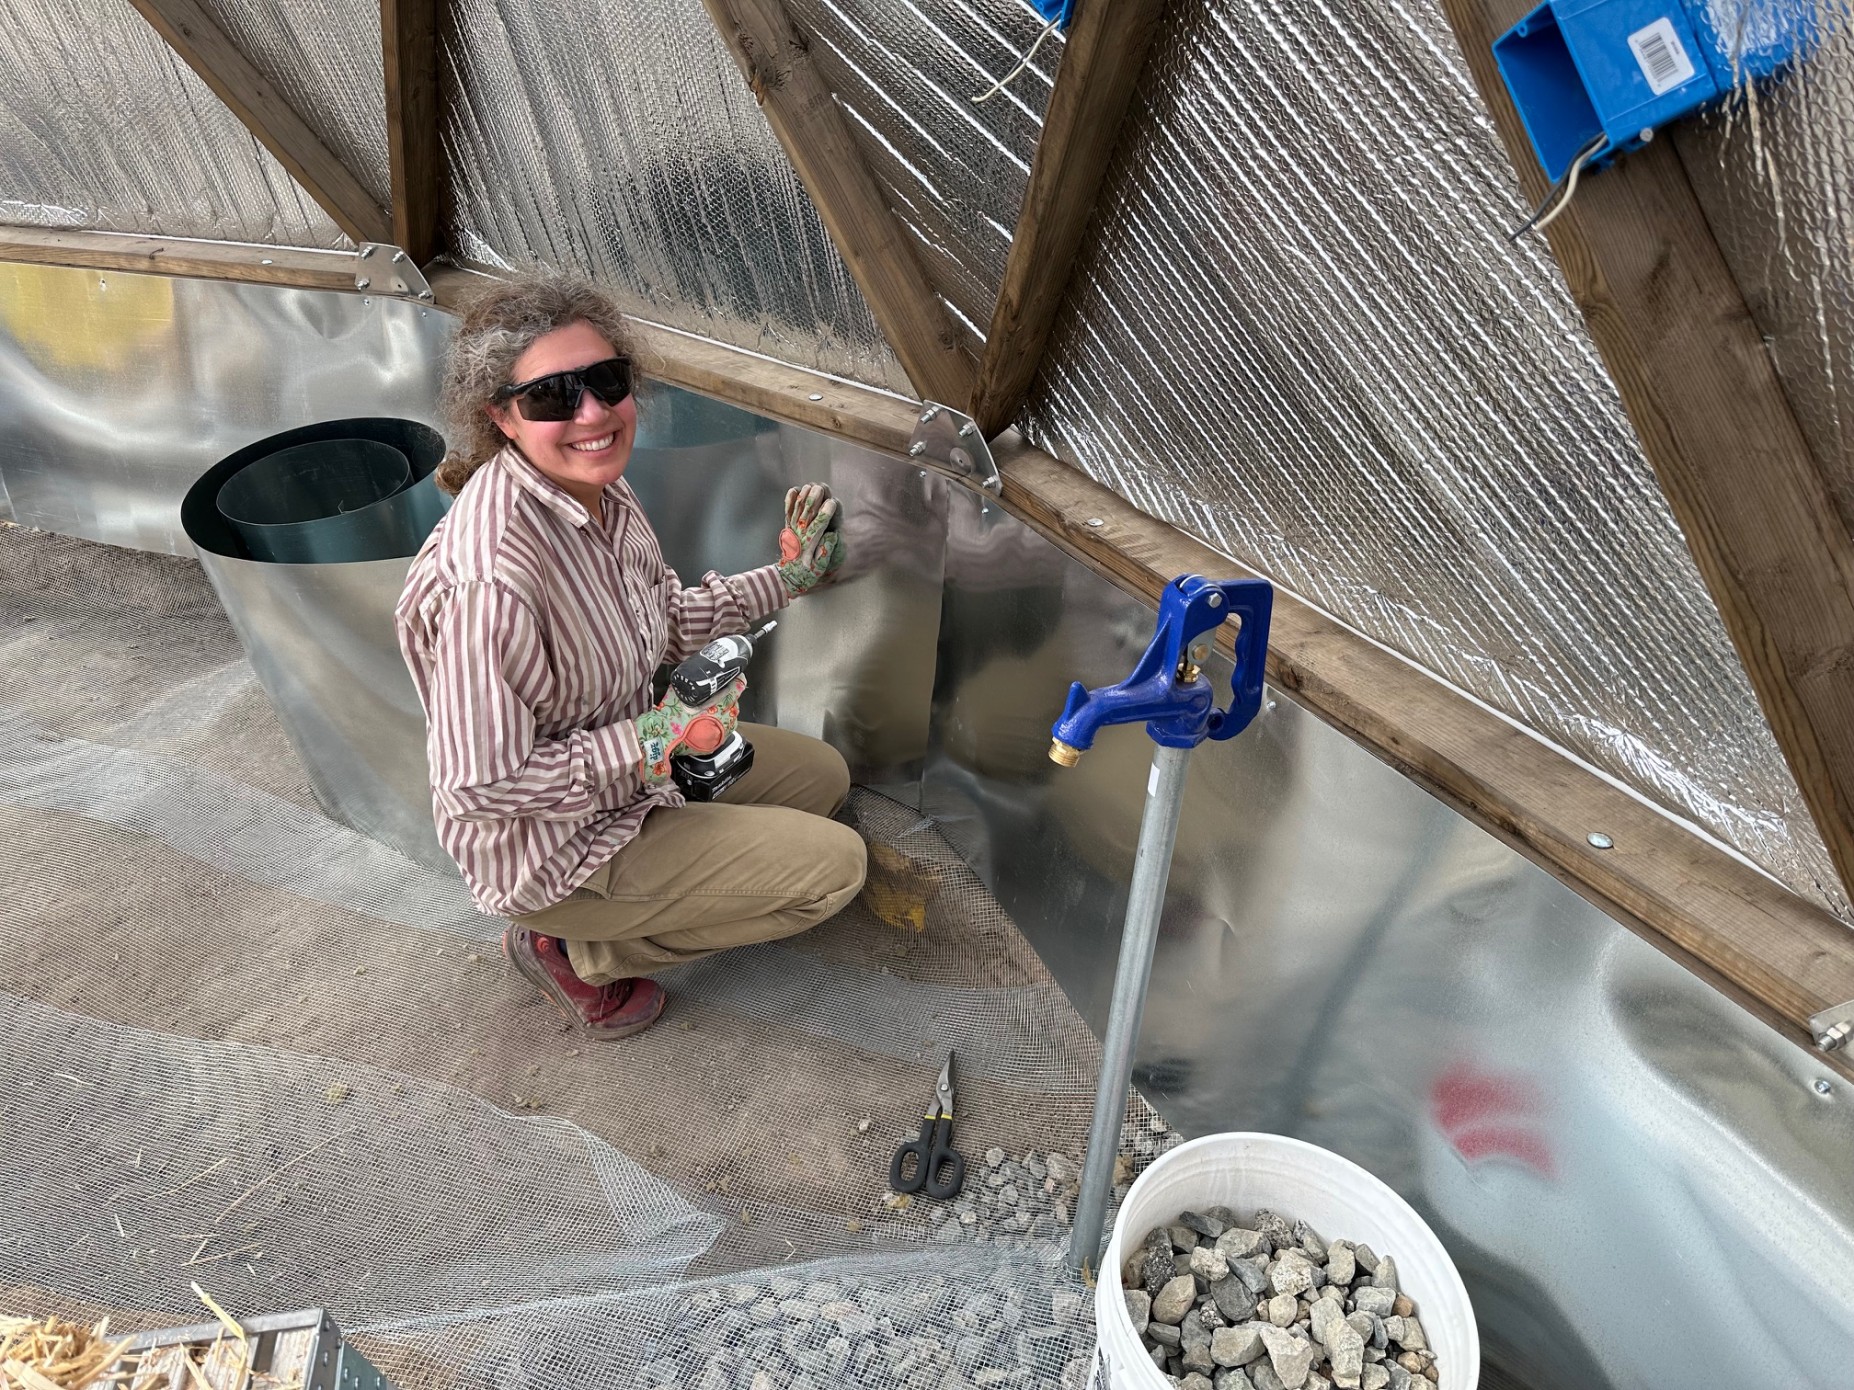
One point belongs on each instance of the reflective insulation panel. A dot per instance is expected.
(324, 58)
(621, 140)
(955, 169)
(103, 127)
(118, 390)
(1302, 334)
(1772, 170)
(1632, 1174)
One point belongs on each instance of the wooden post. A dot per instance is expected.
(1690, 365)
(409, 52)
(799, 105)
(1106, 52)
(192, 33)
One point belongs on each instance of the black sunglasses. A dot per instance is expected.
(557, 395)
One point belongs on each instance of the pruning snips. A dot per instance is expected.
(937, 1168)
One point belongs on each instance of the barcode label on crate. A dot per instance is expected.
(1662, 56)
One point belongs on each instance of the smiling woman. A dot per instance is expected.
(533, 621)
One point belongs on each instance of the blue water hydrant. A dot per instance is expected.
(1169, 693)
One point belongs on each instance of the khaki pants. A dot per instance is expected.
(763, 862)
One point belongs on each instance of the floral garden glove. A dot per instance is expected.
(810, 546)
(672, 726)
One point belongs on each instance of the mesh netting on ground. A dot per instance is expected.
(244, 1046)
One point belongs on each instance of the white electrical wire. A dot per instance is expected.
(1011, 76)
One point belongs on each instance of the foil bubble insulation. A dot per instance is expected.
(954, 169)
(324, 59)
(1301, 333)
(622, 141)
(103, 127)
(1772, 170)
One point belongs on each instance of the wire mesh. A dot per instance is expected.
(246, 1047)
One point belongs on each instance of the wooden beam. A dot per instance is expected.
(1693, 373)
(193, 34)
(1101, 64)
(776, 60)
(205, 260)
(415, 156)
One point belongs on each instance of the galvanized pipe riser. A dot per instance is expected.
(1152, 869)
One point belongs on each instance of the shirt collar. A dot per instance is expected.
(549, 493)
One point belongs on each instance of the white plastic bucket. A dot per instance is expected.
(1303, 1182)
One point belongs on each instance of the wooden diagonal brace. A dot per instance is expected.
(1106, 52)
(799, 105)
(1690, 364)
(193, 34)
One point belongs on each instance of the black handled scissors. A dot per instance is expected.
(938, 1168)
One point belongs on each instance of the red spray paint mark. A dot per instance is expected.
(1493, 1115)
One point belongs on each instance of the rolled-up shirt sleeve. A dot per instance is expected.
(720, 606)
(487, 760)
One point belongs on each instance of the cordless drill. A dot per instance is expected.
(712, 763)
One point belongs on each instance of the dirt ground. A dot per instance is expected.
(771, 1095)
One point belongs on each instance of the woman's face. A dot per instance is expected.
(589, 451)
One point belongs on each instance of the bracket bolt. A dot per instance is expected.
(917, 448)
(1834, 1037)
(365, 252)
(424, 294)
(362, 283)
(930, 414)
(399, 258)
(1598, 840)
(968, 429)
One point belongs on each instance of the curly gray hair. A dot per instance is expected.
(499, 325)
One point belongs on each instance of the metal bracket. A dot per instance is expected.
(1832, 1028)
(385, 269)
(950, 443)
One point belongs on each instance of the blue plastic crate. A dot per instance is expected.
(1623, 68)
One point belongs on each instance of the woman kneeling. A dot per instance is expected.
(533, 621)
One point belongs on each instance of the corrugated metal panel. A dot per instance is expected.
(1302, 334)
(103, 127)
(621, 140)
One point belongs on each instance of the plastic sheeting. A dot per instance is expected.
(622, 141)
(324, 58)
(103, 127)
(1773, 174)
(955, 170)
(1302, 334)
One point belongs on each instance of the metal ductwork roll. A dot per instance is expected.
(307, 537)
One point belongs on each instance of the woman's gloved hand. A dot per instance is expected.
(672, 727)
(811, 545)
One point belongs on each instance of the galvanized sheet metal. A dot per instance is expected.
(621, 140)
(1302, 334)
(103, 127)
(954, 170)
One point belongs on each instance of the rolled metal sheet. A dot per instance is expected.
(320, 637)
(103, 127)
(1301, 333)
(316, 502)
(620, 140)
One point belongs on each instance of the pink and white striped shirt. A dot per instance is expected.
(532, 632)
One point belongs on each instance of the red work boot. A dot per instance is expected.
(616, 1010)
